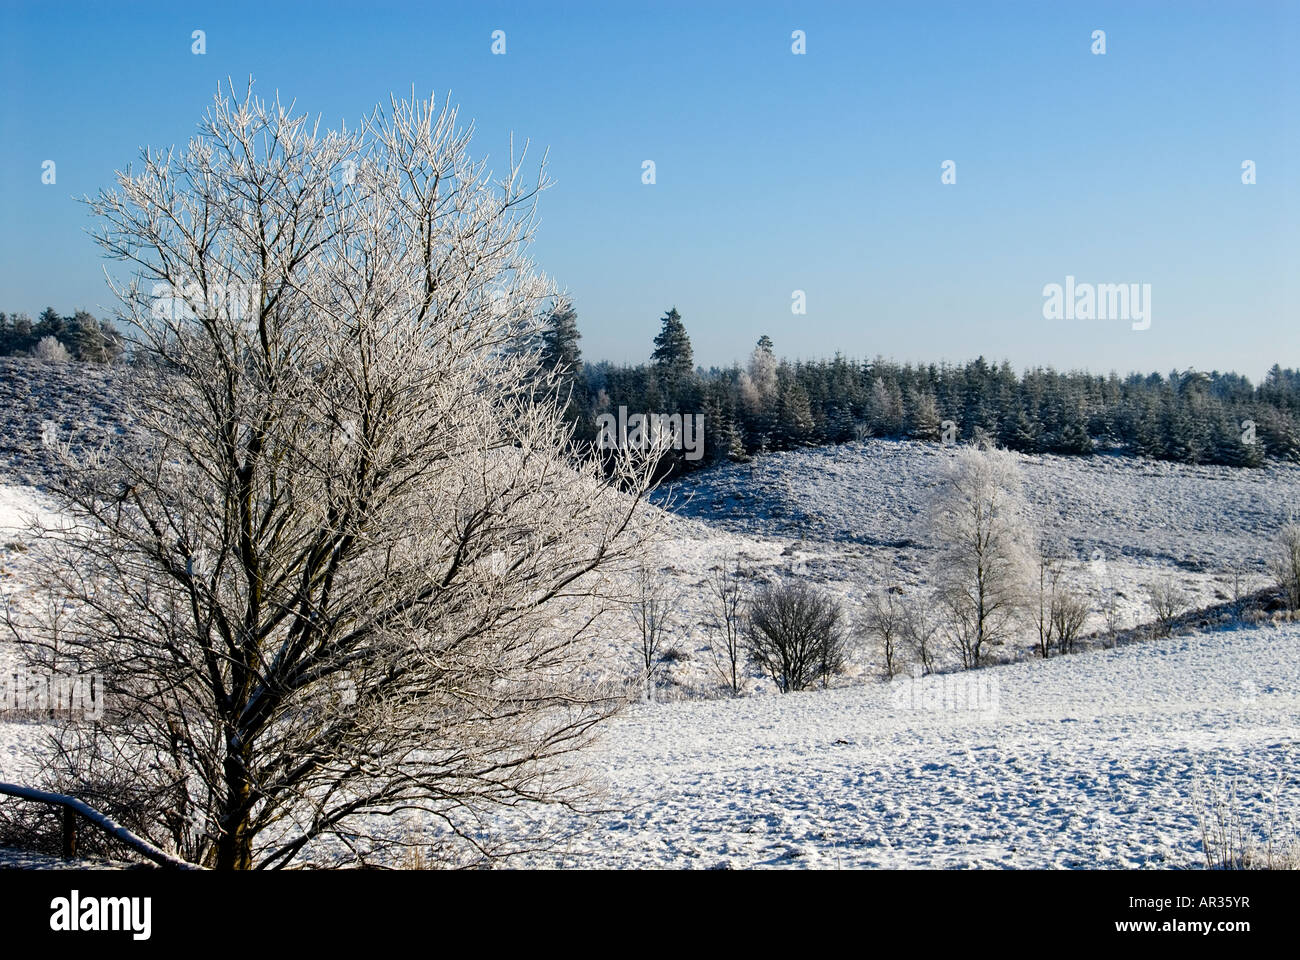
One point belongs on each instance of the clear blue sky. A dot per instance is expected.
(775, 172)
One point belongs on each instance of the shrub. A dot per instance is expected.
(1168, 600)
(795, 634)
(1286, 564)
(50, 350)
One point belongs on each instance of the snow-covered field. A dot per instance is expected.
(1086, 761)
(846, 516)
(1091, 760)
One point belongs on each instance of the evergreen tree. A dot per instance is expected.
(1279, 433)
(885, 408)
(559, 346)
(923, 423)
(21, 332)
(794, 419)
(49, 324)
(561, 359)
(87, 338)
(673, 358)
(1022, 432)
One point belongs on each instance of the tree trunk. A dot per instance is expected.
(235, 845)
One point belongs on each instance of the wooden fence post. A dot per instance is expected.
(69, 833)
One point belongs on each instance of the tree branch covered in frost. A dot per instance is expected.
(348, 559)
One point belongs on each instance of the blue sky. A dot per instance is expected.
(775, 172)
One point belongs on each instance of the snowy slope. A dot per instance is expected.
(873, 493)
(1089, 761)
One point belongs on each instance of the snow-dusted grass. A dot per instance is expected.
(1089, 761)
(874, 493)
(1093, 760)
(844, 516)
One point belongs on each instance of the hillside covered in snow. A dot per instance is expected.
(1102, 759)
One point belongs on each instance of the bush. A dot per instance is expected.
(1286, 564)
(1168, 600)
(1231, 835)
(795, 634)
(50, 350)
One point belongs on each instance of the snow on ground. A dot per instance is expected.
(844, 516)
(1090, 760)
(1087, 761)
(874, 493)
(20, 507)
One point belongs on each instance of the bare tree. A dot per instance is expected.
(1069, 612)
(1238, 585)
(920, 629)
(1286, 564)
(1049, 575)
(885, 624)
(726, 618)
(984, 562)
(1111, 615)
(344, 567)
(795, 634)
(1168, 600)
(1060, 609)
(653, 605)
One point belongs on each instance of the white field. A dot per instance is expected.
(1092, 760)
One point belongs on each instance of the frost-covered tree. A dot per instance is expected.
(339, 576)
(1286, 564)
(653, 607)
(985, 536)
(886, 408)
(923, 421)
(50, 350)
(761, 373)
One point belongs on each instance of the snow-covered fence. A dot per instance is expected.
(71, 806)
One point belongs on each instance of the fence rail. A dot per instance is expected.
(71, 807)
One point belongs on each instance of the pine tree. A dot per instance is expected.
(22, 329)
(794, 419)
(736, 451)
(673, 358)
(1022, 433)
(49, 324)
(561, 357)
(923, 421)
(559, 347)
(1279, 434)
(885, 408)
(1148, 436)
(87, 338)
